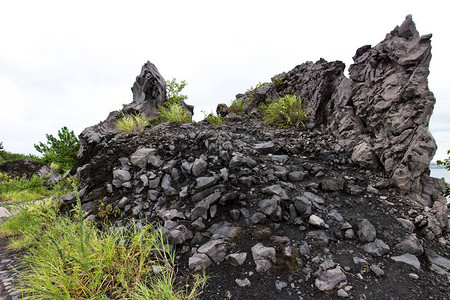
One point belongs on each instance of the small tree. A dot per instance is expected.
(60, 152)
(446, 164)
(173, 91)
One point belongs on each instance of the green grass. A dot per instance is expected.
(238, 107)
(132, 123)
(30, 219)
(22, 189)
(25, 190)
(285, 112)
(73, 259)
(174, 113)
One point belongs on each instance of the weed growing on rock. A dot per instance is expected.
(174, 113)
(278, 81)
(285, 112)
(132, 123)
(213, 120)
(238, 107)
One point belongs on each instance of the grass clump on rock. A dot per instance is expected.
(237, 107)
(285, 112)
(174, 112)
(132, 123)
(213, 120)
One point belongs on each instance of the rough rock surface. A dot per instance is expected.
(300, 210)
(379, 115)
(28, 167)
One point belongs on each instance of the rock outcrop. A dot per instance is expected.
(28, 168)
(380, 115)
(321, 208)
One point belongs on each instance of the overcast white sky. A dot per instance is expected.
(70, 63)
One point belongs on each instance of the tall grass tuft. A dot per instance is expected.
(285, 112)
(132, 123)
(174, 113)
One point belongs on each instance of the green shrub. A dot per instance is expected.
(285, 112)
(213, 120)
(61, 151)
(173, 91)
(238, 107)
(173, 113)
(132, 123)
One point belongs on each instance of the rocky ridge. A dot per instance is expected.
(342, 208)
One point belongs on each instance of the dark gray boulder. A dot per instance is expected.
(28, 168)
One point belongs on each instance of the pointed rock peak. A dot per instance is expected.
(149, 91)
(407, 30)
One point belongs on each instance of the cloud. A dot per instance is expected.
(70, 64)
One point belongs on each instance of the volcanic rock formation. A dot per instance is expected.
(344, 206)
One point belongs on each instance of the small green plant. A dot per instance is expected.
(132, 123)
(106, 211)
(238, 107)
(285, 112)
(213, 120)
(174, 113)
(61, 150)
(4, 177)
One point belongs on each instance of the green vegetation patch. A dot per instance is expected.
(284, 112)
(22, 189)
(214, 120)
(73, 259)
(174, 113)
(238, 107)
(132, 123)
